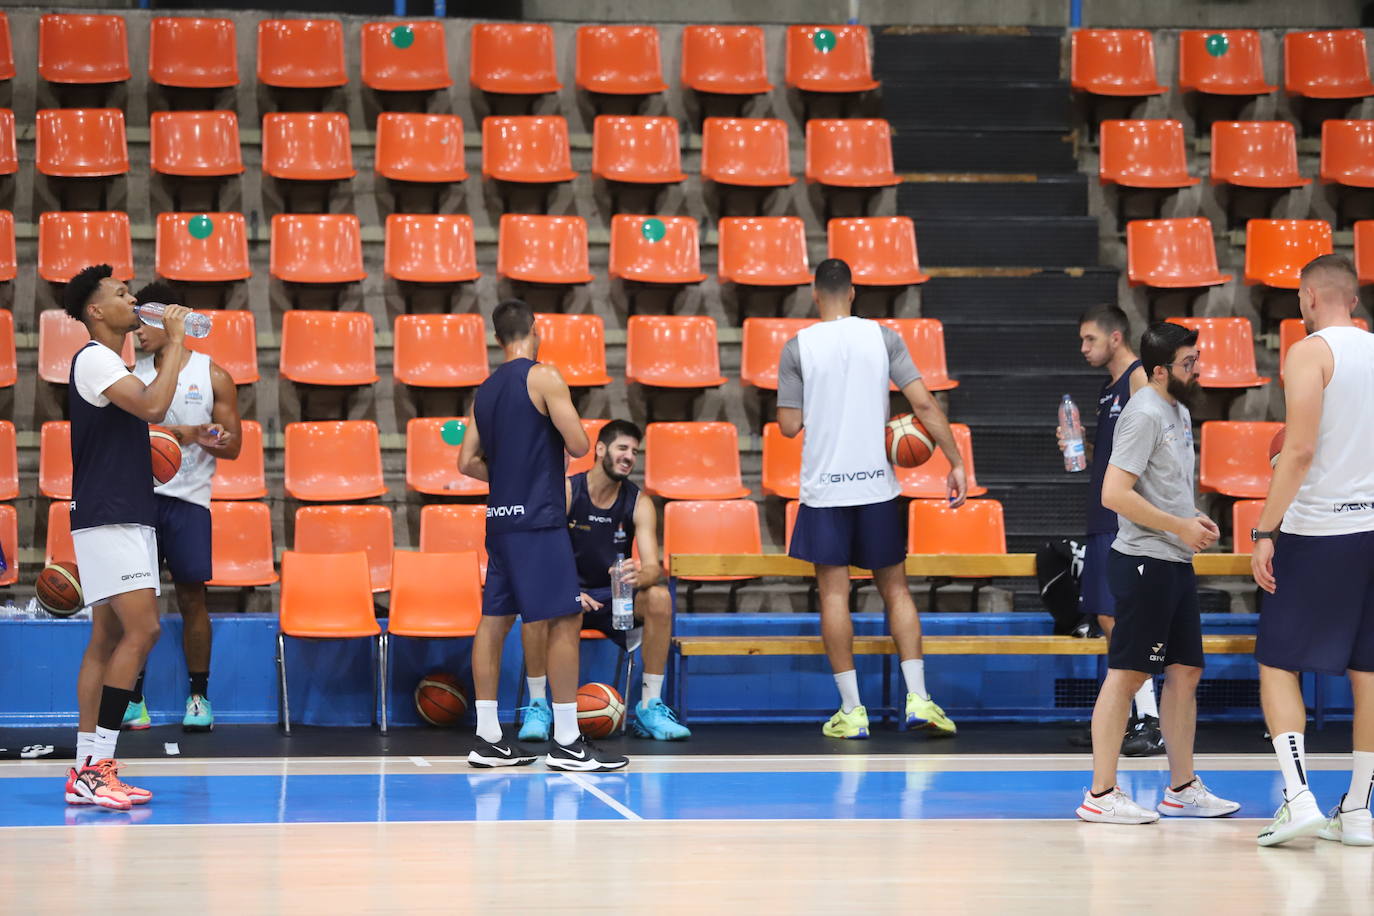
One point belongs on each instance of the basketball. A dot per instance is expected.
(908, 443)
(440, 699)
(1276, 446)
(166, 454)
(600, 710)
(59, 589)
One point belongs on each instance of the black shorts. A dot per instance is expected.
(1321, 617)
(1158, 622)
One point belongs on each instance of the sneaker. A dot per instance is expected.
(1116, 807)
(582, 757)
(136, 716)
(1195, 800)
(852, 724)
(921, 712)
(199, 717)
(1349, 827)
(1297, 817)
(93, 785)
(1143, 738)
(537, 722)
(654, 719)
(505, 754)
(135, 795)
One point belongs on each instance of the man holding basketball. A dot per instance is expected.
(833, 382)
(114, 516)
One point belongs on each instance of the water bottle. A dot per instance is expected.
(197, 325)
(622, 597)
(1074, 459)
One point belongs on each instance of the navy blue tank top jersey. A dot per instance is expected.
(1110, 403)
(524, 453)
(600, 535)
(112, 464)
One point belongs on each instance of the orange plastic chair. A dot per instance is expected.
(637, 150)
(9, 149)
(82, 49)
(850, 152)
(672, 351)
(1256, 154)
(577, 465)
(1291, 331)
(692, 461)
(619, 60)
(432, 464)
(343, 529)
(576, 346)
(761, 348)
(725, 59)
(317, 248)
(192, 53)
(435, 595)
(9, 260)
(1239, 71)
(420, 147)
(311, 146)
(674, 257)
(1144, 154)
(1277, 249)
(9, 542)
(328, 348)
(1114, 62)
(440, 351)
(232, 344)
(782, 465)
(455, 529)
(419, 66)
(1172, 253)
(529, 149)
(1327, 65)
(1227, 346)
(543, 249)
(9, 366)
(513, 59)
(69, 242)
(427, 248)
(219, 257)
(763, 251)
(301, 53)
(55, 459)
(80, 142)
(1234, 458)
(1245, 515)
(976, 527)
(241, 551)
(880, 250)
(9, 463)
(244, 477)
(6, 49)
(59, 544)
(928, 481)
(1346, 150)
(59, 337)
(197, 144)
(925, 340)
(845, 66)
(746, 151)
(711, 526)
(1364, 251)
(333, 461)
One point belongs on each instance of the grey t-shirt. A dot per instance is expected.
(901, 369)
(1154, 441)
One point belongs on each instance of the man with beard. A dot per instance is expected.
(1149, 485)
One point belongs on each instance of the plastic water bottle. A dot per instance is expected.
(1074, 459)
(197, 325)
(622, 597)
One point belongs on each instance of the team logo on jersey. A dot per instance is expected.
(1354, 507)
(619, 534)
(600, 519)
(1116, 407)
(504, 511)
(194, 395)
(847, 476)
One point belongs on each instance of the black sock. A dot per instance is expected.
(1103, 794)
(200, 683)
(138, 688)
(113, 702)
(1184, 786)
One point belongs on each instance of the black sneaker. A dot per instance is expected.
(1143, 738)
(503, 754)
(582, 757)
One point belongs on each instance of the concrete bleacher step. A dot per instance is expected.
(1019, 451)
(1036, 512)
(925, 147)
(1009, 241)
(1025, 342)
(937, 195)
(985, 53)
(1029, 395)
(996, 297)
(1021, 105)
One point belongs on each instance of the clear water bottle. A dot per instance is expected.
(1074, 458)
(622, 597)
(197, 325)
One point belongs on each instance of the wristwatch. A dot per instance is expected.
(1257, 535)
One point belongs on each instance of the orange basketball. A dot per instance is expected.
(166, 453)
(440, 699)
(909, 445)
(1276, 446)
(59, 589)
(600, 710)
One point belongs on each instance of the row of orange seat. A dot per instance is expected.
(1181, 252)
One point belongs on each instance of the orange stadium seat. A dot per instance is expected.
(530, 149)
(59, 337)
(1114, 62)
(9, 259)
(1291, 331)
(1238, 71)
(1172, 253)
(1256, 154)
(80, 142)
(763, 251)
(82, 49)
(1245, 515)
(428, 248)
(1276, 249)
(761, 348)
(842, 64)
(790, 511)
(420, 147)
(9, 148)
(746, 151)
(454, 529)
(1364, 251)
(232, 344)
(69, 242)
(925, 340)
(781, 464)
(432, 464)
(301, 53)
(328, 348)
(435, 595)
(513, 58)
(577, 465)
(850, 152)
(674, 257)
(334, 460)
(317, 248)
(1234, 458)
(193, 53)
(576, 346)
(245, 476)
(6, 49)
(880, 250)
(711, 526)
(9, 543)
(928, 481)
(1346, 150)
(1144, 154)
(725, 59)
(55, 459)
(196, 144)
(543, 249)
(9, 462)
(440, 351)
(405, 57)
(9, 366)
(692, 461)
(976, 527)
(672, 351)
(619, 59)
(1227, 346)
(1327, 65)
(219, 257)
(637, 150)
(344, 529)
(241, 550)
(309, 146)
(59, 543)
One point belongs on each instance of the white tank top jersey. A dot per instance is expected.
(191, 406)
(1337, 495)
(845, 370)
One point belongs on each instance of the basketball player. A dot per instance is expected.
(833, 382)
(113, 519)
(523, 420)
(1102, 332)
(204, 418)
(606, 514)
(1149, 485)
(1319, 571)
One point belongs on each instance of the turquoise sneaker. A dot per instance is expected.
(654, 719)
(538, 721)
(199, 717)
(136, 717)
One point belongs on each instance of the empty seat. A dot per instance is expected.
(455, 529)
(59, 337)
(432, 464)
(55, 459)
(1234, 458)
(440, 351)
(9, 259)
(829, 58)
(59, 544)
(243, 477)
(725, 59)
(187, 52)
(70, 242)
(692, 461)
(880, 250)
(1245, 515)
(425, 248)
(80, 143)
(9, 366)
(1347, 147)
(672, 351)
(435, 595)
(1364, 251)
(925, 340)
(195, 144)
(301, 53)
(310, 146)
(323, 248)
(513, 58)
(9, 463)
(333, 461)
(82, 49)
(232, 344)
(640, 253)
(405, 57)
(976, 527)
(575, 345)
(850, 152)
(1144, 154)
(1227, 346)
(1277, 249)
(930, 480)
(9, 148)
(1172, 253)
(619, 59)
(1326, 65)
(345, 529)
(9, 543)
(420, 147)
(1238, 70)
(1291, 331)
(1114, 62)
(1255, 154)
(578, 465)
(763, 251)
(711, 526)
(328, 348)
(761, 348)
(543, 249)
(746, 151)
(191, 257)
(6, 49)
(637, 150)
(527, 149)
(781, 464)
(241, 550)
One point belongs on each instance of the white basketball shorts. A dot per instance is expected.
(114, 559)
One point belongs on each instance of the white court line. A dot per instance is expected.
(615, 805)
(420, 761)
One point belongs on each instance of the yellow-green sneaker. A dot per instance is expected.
(136, 716)
(852, 724)
(922, 712)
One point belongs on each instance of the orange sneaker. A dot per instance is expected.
(93, 785)
(135, 795)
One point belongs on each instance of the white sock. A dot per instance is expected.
(537, 687)
(1145, 704)
(653, 687)
(1361, 782)
(914, 673)
(85, 747)
(1289, 748)
(848, 682)
(103, 743)
(565, 730)
(488, 725)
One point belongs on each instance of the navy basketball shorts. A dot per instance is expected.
(531, 573)
(1321, 615)
(183, 540)
(1158, 622)
(872, 536)
(1094, 587)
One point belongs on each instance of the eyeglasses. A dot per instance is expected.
(1187, 365)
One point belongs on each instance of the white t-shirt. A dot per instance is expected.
(98, 368)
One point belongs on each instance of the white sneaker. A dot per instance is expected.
(1195, 800)
(1297, 817)
(1116, 807)
(1349, 827)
